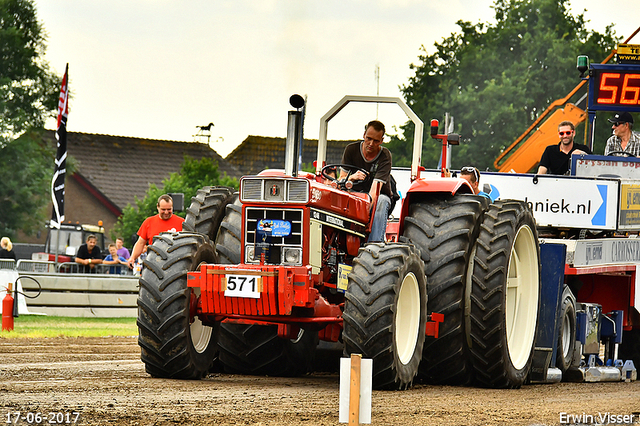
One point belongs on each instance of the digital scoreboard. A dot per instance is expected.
(614, 88)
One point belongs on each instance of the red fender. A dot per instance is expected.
(432, 186)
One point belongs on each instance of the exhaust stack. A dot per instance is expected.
(293, 145)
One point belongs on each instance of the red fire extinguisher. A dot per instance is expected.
(7, 310)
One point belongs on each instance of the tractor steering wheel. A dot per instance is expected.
(626, 154)
(342, 184)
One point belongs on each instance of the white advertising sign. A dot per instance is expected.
(561, 201)
(606, 251)
(607, 167)
(558, 201)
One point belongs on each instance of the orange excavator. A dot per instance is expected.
(523, 155)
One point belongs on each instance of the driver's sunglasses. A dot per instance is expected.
(618, 123)
(473, 170)
(565, 133)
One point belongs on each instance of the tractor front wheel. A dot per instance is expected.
(174, 344)
(386, 311)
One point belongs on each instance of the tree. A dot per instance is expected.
(28, 89)
(27, 164)
(495, 79)
(194, 174)
(28, 94)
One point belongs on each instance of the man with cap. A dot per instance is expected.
(624, 139)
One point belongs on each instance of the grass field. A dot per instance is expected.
(49, 326)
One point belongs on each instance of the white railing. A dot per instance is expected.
(43, 266)
(8, 264)
(48, 267)
(100, 269)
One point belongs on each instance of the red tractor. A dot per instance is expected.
(260, 276)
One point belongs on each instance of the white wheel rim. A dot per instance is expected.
(407, 318)
(566, 336)
(200, 334)
(522, 297)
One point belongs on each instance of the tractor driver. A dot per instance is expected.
(376, 159)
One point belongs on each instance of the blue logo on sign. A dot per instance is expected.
(278, 228)
(494, 194)
(600, 218)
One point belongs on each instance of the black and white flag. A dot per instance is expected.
(57, 183)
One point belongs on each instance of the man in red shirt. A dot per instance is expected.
(164, 221)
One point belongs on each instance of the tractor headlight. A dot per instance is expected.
(250, 254)
(292, 256)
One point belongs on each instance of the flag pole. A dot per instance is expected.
(57, 245)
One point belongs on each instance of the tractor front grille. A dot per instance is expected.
(277, 190)
(283, 250)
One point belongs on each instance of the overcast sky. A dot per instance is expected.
(159, 68)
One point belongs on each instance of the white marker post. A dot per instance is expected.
(356, 376)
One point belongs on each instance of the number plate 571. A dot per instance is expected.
(243, 286)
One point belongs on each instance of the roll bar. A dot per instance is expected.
(417, 135)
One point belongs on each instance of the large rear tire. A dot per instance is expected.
(445, 228)
(505, 295)
(567, 330)
(207, 210)
(386, 311)
(174, 344)
(257, 349)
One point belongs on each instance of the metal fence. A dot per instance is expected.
(45, 267)
(8, 264)
(100, 269)
(42, 266)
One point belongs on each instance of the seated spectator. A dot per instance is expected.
(6, 249)
(114, 259)
(89, 255)
(122, 250)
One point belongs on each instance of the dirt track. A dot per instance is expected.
(104, 380)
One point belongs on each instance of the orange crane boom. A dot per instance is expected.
(522, 157)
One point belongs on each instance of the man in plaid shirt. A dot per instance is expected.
(624, 141)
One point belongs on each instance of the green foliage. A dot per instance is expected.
(28, 94)
(496, 78)
(194, 174)
(27, 163)
(308, 167)
(39, 326)
(28, 89)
